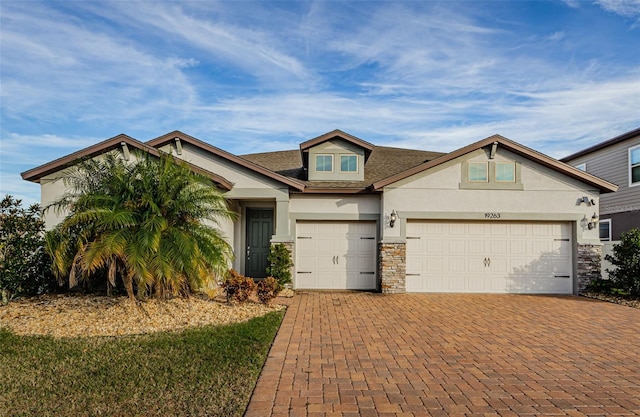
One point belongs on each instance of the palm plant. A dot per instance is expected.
(152, 222)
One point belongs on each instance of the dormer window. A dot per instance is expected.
(335, 158)
(348, 163)
(324, 163)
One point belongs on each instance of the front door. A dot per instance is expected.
(259, 232)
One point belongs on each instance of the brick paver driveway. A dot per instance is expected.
(348, 354)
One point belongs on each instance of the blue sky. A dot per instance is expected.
(247, 77)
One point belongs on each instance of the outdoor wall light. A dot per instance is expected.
(592, 223)
(588, 201)
(392, 218)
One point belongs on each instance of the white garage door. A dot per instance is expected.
(336, 255)
(489, 257)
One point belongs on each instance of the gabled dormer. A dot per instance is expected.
(335, 156)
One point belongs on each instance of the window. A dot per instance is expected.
(605, 230)
(324, 163)
(634, 166)
(478, 172)
(348, 163)
(582, 166)
(505, 172)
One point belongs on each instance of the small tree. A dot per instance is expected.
(151, 222)
(280, 263)
(24, 265)
(626, 259)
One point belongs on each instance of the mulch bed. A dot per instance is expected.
(89, 315)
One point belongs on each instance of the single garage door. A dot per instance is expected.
(336, 255)
(489, 257)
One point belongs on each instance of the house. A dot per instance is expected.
(618, 161)
(494, 216)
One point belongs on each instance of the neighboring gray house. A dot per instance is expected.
(616, 160)
(494, 216)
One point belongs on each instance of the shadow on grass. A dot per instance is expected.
(200, 371)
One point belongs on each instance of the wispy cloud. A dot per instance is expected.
(629, 8)
(256, 50)
(555, 36)
(13, 147)
(60, 69)
(575, 111)
(574, 4)
(12, 184)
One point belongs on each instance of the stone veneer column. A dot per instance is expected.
(393, 266)
(589, 265)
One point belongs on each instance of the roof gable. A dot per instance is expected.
(35, 174)
(176, 134)
(602, 185)
(334, 134)
(339, 134)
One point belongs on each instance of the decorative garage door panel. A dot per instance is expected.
(490, 257)
(336, 255)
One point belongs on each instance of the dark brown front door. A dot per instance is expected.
(259, 232)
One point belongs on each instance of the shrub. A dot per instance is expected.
(626, 260)
(25, 268)
(237, 287)
(268, 289)
(600, 285)
(280, 263)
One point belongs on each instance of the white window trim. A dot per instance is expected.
(582, 166)
(324, 154)
(486, 164)
(357, 167)
(609, 222)
(633, 148)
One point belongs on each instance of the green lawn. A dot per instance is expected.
(204, 371)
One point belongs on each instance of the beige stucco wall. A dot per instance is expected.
(318, 204)
(546, 196)
(333, 207)
(607, 249)
(242, 178)
(51, 189)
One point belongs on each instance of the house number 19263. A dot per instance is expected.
(491, 215)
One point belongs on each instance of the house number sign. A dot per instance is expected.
(491, 215)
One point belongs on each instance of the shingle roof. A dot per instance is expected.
(382, 163)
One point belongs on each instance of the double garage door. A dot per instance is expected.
(336, 255)
(442, 256)
(490, 257)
